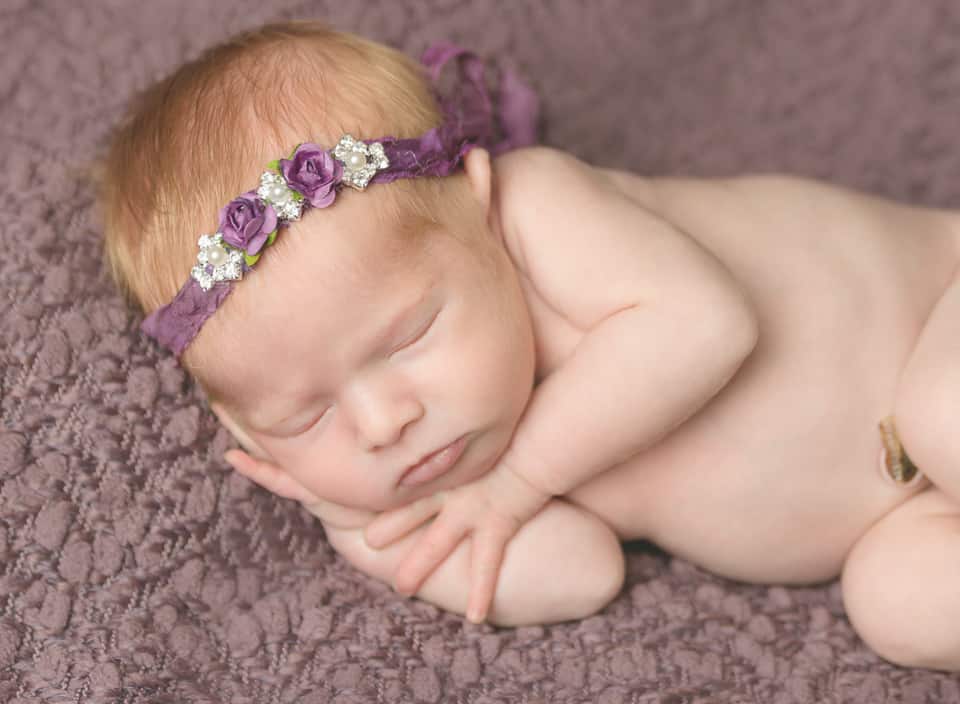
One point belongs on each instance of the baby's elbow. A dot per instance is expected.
(715, 314)
(734, 327)
(745, 329)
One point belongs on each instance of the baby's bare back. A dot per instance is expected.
(776, 478)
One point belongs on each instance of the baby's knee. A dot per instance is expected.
(900, 601)
(926, 415)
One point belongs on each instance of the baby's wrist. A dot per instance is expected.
(523, 498)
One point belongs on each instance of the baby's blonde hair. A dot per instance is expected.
(196, 139)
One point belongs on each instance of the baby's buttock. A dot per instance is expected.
(779, 475)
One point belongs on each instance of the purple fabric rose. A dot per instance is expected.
(314, 173)
(246, 222)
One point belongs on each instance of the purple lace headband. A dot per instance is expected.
(312, 177)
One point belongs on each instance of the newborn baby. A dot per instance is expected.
(481, 382)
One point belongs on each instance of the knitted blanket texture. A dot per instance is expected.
(136, 567)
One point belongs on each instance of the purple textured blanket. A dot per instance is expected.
(136, 568)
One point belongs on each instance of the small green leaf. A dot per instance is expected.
(294, 151)
(271, 237)
(274, 165)
(251, 260)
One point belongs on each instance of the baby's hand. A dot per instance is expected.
(489, 511)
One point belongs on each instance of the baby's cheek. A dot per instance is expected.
(347, 487)
(315, 470)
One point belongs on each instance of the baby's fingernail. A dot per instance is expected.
(475, 616)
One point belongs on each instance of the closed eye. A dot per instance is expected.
(419, 334)
(313, 421)
(412, 340)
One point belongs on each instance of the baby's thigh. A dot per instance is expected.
(928, 395)
(901, 583)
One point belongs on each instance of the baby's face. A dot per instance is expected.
(355, 362)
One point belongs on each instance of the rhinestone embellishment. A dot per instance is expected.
(216, 261)
(360, 161)
(274, 190)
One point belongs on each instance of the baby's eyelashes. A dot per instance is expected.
(313, 421)
(418, 335)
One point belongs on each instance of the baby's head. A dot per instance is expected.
(371, 332)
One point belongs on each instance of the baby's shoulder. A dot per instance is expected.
(525, 168)
(532, 179)
(532, 187)
(583, 243)
(541, 190)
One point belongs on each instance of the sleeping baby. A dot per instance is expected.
(486, 364)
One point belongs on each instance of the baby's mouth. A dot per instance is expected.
(435, 464)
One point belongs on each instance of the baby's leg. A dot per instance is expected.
(927, 407)
(901, 583)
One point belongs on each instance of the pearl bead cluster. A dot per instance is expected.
(360, 161)
(216, 261)
(274, 190)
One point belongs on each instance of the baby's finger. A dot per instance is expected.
(485, 560)
(392, 525)
(439, 540)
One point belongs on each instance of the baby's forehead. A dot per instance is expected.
(334, 277)
(315, 295)
(315, 350)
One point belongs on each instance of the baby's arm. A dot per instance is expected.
(665, 323)
(665, 326)
(563, 564)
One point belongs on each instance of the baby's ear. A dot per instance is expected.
(477, 166)
(236, 430)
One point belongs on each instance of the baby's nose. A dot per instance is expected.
(380, 414)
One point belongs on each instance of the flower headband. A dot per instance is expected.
(312, 177)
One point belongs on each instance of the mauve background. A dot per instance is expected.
(135, 568)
